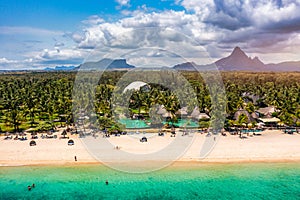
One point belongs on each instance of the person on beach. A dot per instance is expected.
(75, 158)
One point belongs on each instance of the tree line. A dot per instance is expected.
(43, 100)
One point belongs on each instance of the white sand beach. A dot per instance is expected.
(271, 145)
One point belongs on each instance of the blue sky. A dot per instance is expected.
(37, 34)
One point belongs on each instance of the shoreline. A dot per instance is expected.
(179, 163)
(271, 146)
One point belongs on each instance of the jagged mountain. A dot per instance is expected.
(238, 60)
(106, 64)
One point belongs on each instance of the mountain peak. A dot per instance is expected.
(238, 60)
(107, 63)
(238, 52)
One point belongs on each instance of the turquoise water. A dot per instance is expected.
(226, 181)
(184, 123)
(133, 123)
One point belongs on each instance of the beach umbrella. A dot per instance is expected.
(32, 143)
(71, 142)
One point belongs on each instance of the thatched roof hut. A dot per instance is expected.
(238, 113)
(161, 110)
(182, 111)
(266, 111)
(196, 114)
(167, 114)
(254, 115)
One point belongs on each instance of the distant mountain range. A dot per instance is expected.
(239, 61)
(61, 68)
(107, 64)
(104, 64)
(236, 61)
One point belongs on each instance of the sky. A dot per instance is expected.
(38, 34)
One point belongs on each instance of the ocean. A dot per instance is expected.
(198, 181)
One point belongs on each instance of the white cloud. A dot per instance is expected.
(171, 30)
(59, 56)
(125, 29)
(8, 64)
(93, 20)
(262, 26)
(7, 61)
(123, 3)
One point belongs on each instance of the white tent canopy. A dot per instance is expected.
(136, 85)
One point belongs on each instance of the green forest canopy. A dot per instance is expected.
(40, 100)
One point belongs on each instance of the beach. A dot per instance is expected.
(269, 146)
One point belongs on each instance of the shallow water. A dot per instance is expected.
(226, 181)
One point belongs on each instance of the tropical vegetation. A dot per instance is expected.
(43, 100)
